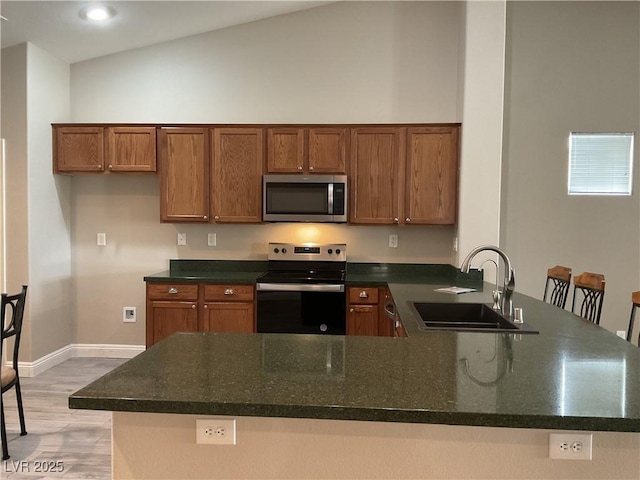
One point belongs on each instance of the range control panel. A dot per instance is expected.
(333, 252)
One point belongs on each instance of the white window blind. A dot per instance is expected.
(600, 163)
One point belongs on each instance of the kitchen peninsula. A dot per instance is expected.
(335, 406)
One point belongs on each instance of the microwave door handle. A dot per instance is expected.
(330, 197)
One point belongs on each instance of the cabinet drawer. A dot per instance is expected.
(363, 295)
(228, 293)
(172, 291)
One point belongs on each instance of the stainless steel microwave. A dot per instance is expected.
(304, 198)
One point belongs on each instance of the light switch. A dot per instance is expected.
(102, 239)
(182, 239)
(211, 239)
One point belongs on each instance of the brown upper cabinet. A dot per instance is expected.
(307, 150)
(404, 175)
(131, 149)
(237, 175)
(78, 149)
(431, 176)
(97, 149)
(184, 174)
(376, 174)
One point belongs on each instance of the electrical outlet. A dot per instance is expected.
(570, 446)
(182, 239)
(211, 239)
(129, 314)
(393, 241)
(216, 431)
(101, 239)
(621, 334)
(455, 244)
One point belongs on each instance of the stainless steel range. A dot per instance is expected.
(303, 290)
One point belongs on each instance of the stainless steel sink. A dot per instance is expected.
(465, 317)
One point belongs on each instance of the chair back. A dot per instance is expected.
(635, 302)
(12, 307)
(560, 279)
(591, 286)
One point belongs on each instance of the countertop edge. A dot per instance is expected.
(321, 412)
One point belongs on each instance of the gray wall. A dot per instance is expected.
(570, 66)
(35, 93)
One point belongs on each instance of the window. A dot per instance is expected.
(600, 163)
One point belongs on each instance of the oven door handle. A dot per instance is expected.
(298, 287)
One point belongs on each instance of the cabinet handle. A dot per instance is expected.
(206, 307)
(407, 220)
(228, 291)
(98, 167)
(311, 169)
(396, 220)
(110, 167)
(363, 294)
(173, 290)
(193, 306)
(391, 314)
(216, 217)
(205, 217)
(351, 310)
(299, 168)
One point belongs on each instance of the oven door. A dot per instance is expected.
(301, 308)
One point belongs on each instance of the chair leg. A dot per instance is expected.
(3, 432)
(23, 428)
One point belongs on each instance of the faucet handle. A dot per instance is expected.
(497, 300)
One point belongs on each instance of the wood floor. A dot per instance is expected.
(60, 442)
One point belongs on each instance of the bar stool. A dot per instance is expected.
(591, 287)
(560, 277)
(14, 306)
(635, 300)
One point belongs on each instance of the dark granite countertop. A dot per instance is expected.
(572, 375)
(247, 271)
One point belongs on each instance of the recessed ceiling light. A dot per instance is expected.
(97, 13)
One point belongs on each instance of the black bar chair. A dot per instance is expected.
(9, 375)
(560, 278)
(635, 300)
(591, 288)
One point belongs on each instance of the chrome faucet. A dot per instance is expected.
(509, 284)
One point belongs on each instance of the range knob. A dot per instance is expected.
(329, 251)
(275, 250)
(337, 251)
(284, 250)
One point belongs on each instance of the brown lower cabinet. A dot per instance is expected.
(181, 307)
(366, 313)
(228, 308)
(198, 308)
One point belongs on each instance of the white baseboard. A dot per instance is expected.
(42, 364)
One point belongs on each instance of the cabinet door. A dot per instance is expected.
(376, 174)
(184, 174)
(328, 150)
(131, 149)
(431, 186)
(237, 175)
(285, 150)
(362, 320)
(78, 149)
(165, 318)
(232, 317)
